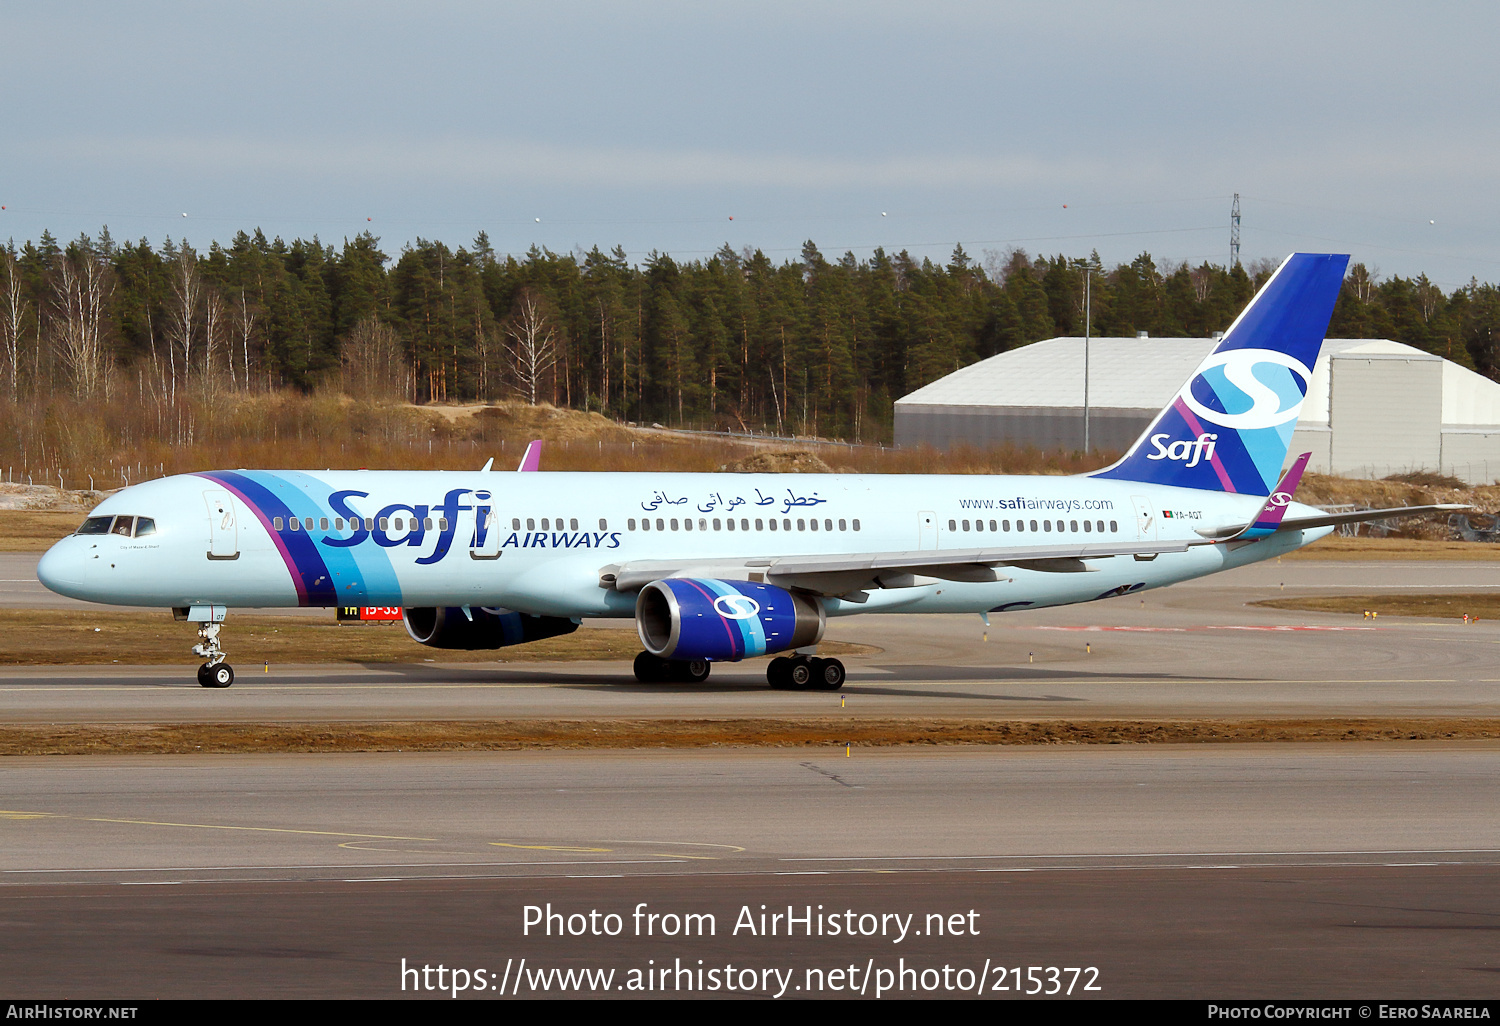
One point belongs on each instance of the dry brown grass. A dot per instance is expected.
(1482, 605)
(31, 531)
(67, 637)
(823, 732)
(130, 438)
(1364, 547)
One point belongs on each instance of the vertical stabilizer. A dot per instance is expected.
(1228, 429)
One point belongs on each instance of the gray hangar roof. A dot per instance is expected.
(1395, 407)
(1144, 374)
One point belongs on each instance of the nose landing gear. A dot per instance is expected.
(215, 673)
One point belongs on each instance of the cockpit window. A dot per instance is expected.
(95, 525)
(123, 526)
(144, 526)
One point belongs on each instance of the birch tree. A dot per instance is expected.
(13, 307)
(187, 293)
(532, 345)
(82, 283)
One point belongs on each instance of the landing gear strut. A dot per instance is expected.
(805, 673)
(215, 673)
(650, 669)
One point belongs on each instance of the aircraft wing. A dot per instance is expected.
(1334, 519)
(838, 574)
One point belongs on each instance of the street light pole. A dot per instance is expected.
(1088, 295)
(1087, 267)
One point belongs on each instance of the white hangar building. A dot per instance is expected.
(1374, 407)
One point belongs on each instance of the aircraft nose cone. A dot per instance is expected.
(61, 568)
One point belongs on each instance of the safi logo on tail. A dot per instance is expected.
(1230, 426)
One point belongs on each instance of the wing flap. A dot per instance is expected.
(839, 573)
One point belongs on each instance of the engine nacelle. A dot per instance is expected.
(448, 627)
(723, 621)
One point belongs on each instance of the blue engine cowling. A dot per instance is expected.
(723, 621)
(448, 627)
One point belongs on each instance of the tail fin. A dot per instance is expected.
(1229, 428)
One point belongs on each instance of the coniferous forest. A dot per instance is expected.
(813, 346)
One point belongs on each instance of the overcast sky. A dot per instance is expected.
(1368, 128)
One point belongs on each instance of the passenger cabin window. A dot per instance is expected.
(296, 524)
(1113, 526)
(322, 523)
(385, 523)
(95, 525)
(515, 523)
(856, 525)
(278, 523)
(603, 526)
(630, 523)
(953, 525)
(573, 524)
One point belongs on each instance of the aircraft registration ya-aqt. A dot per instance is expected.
(723, 567)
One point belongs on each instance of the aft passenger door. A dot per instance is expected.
(927, 530)
(223, 529)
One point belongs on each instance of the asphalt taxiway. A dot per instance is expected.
(1285, 870)
(1197, 649)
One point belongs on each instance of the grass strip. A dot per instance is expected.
(1481, 605)
(62, 637)
(542, 735)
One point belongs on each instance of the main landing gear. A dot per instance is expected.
(650, 669)
(805, 673)
(215, 673)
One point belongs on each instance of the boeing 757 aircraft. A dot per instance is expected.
(723, 567)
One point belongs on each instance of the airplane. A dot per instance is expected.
(724, 567)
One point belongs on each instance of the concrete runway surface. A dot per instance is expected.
(1358, 870)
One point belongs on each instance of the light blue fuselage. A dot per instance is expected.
(538, 542)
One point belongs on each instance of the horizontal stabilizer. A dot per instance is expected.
(1335, 519)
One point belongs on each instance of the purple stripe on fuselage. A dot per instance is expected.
(310, 575)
